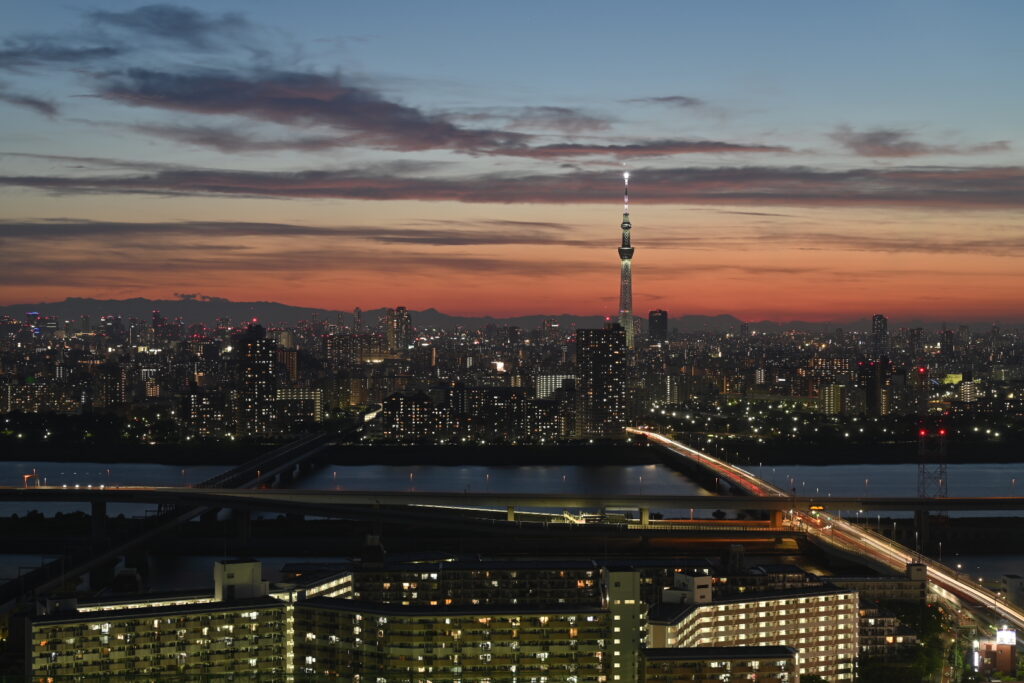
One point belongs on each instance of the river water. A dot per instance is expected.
(985, 479)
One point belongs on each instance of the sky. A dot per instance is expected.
(788, 160)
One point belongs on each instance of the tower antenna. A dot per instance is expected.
(625, 196)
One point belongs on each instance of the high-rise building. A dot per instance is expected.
(398, 329)
(879, 336)
(833, 399)
(547, 384)
(626, 273)
(257, 358)
(657, 326)
(876, 378)
(601, 389)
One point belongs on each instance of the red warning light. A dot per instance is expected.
(924, 432)
(922, 370)
(942, 432)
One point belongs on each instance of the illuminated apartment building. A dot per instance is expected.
(237, 630)
(583, 623)
(820, 623)
(369, 642)
(718, 664)
(465, 584)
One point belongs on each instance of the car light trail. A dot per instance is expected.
(846, 536)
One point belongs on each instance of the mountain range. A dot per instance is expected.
(198, 308)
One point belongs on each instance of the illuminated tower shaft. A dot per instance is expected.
(626, 275)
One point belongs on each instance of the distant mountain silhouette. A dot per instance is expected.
(198, 308)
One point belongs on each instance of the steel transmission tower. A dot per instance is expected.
(626, 276)
(932, 481)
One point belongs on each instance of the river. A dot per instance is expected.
(984, 479)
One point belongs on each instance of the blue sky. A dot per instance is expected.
(776, 145)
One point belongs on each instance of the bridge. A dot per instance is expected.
(277, 466)
(844, 537)
(816, 517)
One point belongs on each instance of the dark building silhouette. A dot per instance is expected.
(876, 378)
(879, 336)
(258, 382)
(657, 325)
(601, 382)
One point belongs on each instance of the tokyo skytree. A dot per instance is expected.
(626, 278)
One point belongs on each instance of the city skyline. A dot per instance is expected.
(341, 161)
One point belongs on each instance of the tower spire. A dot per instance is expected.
(626, 269)
(625, 192)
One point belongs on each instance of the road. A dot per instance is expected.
(841, 534)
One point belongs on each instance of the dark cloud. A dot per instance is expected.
(296, 98)
(993, 245)
(25, 52)
(363, 117)
(85, 162)
(883, 142)
(122, 233)
(674, 100)
(178, 24)
(88, 263)
(964, 188)
(640, 149)
(38, 105)
(233, 140)
(562, 119)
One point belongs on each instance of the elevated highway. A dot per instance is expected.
(830, 530)
(267, 468)
(322, 502)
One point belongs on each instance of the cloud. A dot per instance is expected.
(486, 232)
(232, 140)
(997, 245)
(363, 117)
(683, 101)
(36, 51)
(883, 142)
(40, 106)
(562, 119)
(639, 149)
(85, 262)
(304, 99)
(947, 187)
(178, 24)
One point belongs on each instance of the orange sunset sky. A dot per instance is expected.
(816, 166)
